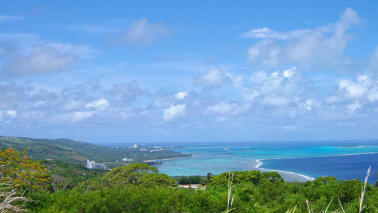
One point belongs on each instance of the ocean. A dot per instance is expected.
(295, 161)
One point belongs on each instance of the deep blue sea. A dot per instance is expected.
(295, 161)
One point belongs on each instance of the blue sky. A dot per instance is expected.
(170, 71)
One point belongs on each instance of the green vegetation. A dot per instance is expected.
(191, 180)
(19, 174)
(139, 187)
(69, 175)
(77, 152)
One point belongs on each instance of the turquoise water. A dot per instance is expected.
(241, 157)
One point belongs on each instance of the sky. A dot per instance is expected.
(189, 71)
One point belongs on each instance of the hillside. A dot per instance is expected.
(76, 151)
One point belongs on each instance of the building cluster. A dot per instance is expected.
(157, 149)
(125, 159)
(94, 165)
(147, 149)
(135, 146)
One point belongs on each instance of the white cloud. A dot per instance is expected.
(142, 32)
(357, 95)
(212, 78)
(78, 116)
(354, 90)
(35, 57)
(289, 72)
(365, 87)
(277, 83)
(181, 95)
(126, 92)
(352, 108)
(222, 108)
(275, 100)
(100, 104)
(174, 112)
(72, 105)
(11, 113)
(308, 104)
(373, 95)
(321, 45)
(266, 33)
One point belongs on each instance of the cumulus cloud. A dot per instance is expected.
(11, 113)
(212, 78)
(23, 58)
(321, 45)
(4, 114)
(353, 107)
(174, 112)
(280, 98)
(289, 72)
(100, 104)
(126, 92)
(309, 104)
(77, 103)
(222, 108)
(352, 89)
(266, 33)
(142, 32)
(363, 88)
(181, 95)
(279, 83)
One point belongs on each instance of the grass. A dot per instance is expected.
(361, 208)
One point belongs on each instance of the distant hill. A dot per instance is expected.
(76, 151)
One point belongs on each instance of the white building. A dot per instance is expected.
(127, 160)
(135, 146)
(94, 165)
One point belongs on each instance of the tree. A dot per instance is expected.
(129, 174)
(18, 171)
(274, 177)
(19, 174)
(208, 177)
(152, 180)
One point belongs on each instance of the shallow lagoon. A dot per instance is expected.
(296, 161)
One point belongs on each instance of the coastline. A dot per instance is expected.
(164, 159)
(293, 176)
(259, 163)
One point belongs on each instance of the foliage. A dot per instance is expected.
(18, 175)
(139, 188)
(18, 171)
(152, 180)
(191, 180)
(128, 174)
(133, 199)
(70, 151)
(69, 175)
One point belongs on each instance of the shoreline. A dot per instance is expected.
(259, 163)
(287, 175)
(164, 159)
